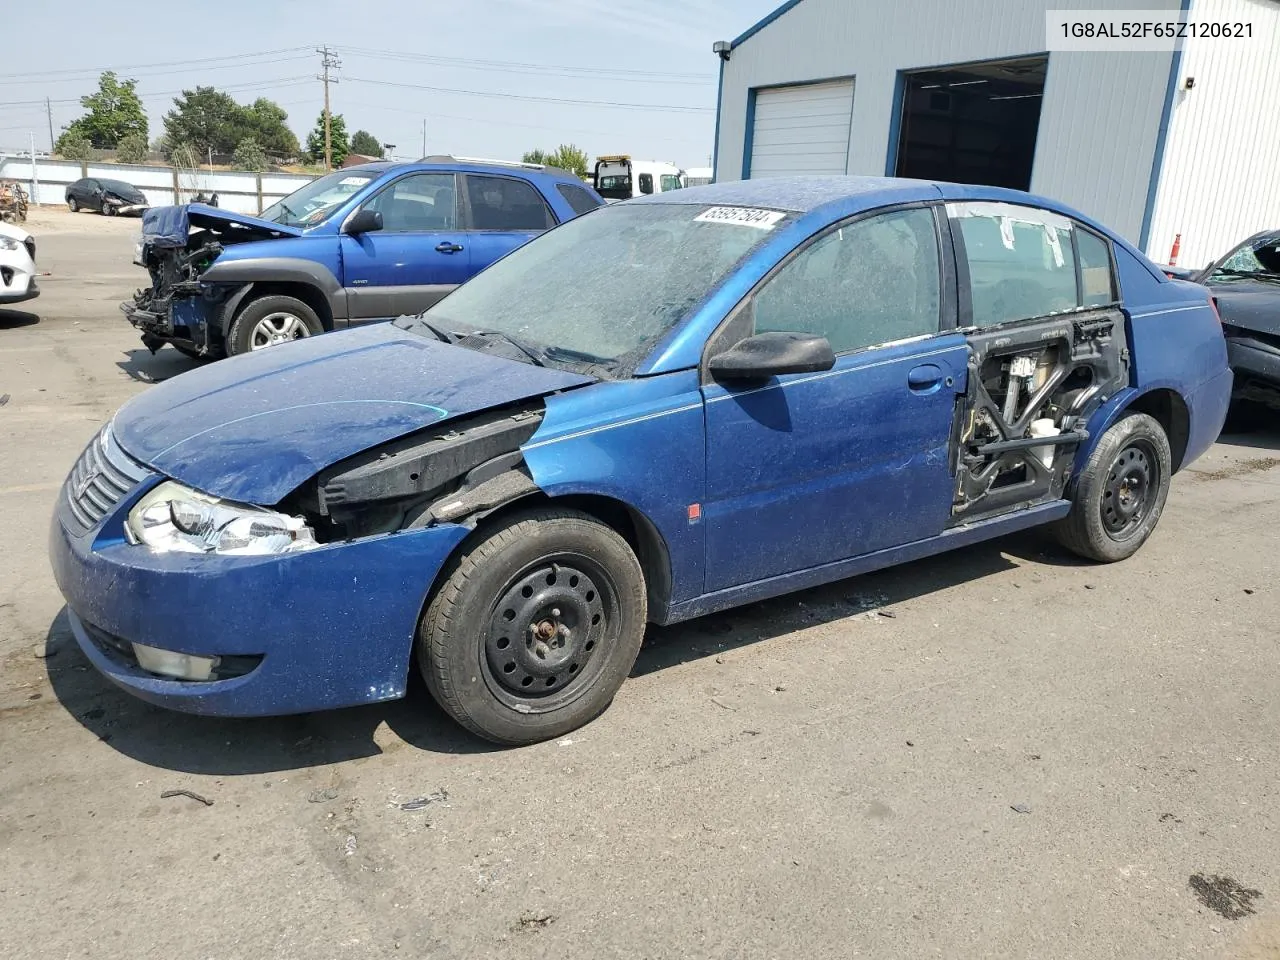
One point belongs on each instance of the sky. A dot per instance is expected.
(484, 75)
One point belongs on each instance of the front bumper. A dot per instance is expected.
(331, 627)
(18, 278)
(131, 209)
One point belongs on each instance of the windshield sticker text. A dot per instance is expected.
(743, 216)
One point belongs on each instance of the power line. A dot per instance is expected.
(537, 69)
(678, 108)
(247, 85)
(29, 74)
(262, 61)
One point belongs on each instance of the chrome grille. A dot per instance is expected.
(100, 479)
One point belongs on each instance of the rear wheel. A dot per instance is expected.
(1121, 492)
(270, 321)
(535, 628)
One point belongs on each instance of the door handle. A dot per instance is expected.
(925, 378)
(448, 247)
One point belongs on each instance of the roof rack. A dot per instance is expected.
(449, 158)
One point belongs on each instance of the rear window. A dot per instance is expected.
(579, 199)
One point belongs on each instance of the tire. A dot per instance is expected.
(1121, 492)
(107, 209)
(73, 205)
(288, 316)
(574, 595)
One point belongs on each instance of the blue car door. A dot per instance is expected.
(809, 469)
(420, 254)
(504, 212)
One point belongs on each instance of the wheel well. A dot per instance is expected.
(1170, 411)
(308, 294)
(629, 523)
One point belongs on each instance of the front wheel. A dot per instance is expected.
(1121, 492)
(72, 205)
(535, 628)
(269, 322)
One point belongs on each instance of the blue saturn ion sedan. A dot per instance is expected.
(664, 408)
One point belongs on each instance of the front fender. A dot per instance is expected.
(281, 270)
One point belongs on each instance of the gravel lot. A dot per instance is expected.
(999, 752)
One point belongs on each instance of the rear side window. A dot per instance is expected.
(1020, 261)
(646, 183)
(578, 198)
(501, 203)
(1096, 283)
(869, 282)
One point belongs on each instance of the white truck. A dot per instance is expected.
(621, 178)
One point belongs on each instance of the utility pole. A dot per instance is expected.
(424, 137)
(328, 61)
(48, 109)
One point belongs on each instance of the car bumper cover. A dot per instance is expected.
(326, 628)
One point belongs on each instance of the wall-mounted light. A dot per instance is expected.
(722, 49)
(1188, 83)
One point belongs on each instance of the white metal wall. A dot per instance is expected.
(237, 191)
(1220, 181)
(1099, 121)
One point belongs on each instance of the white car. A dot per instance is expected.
(17, 265)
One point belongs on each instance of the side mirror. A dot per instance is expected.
(363, 221)
(772, 354)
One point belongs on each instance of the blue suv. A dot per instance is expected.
(361, 244)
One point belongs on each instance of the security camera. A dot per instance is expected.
(722, 48)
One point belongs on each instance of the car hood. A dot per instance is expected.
(128, 196)
(1249, 304)
(169, 226)
(255, 427)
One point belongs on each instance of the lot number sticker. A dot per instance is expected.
(743, 216)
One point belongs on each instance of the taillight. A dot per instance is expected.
(1213, 305)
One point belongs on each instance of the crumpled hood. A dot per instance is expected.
(1249, 304)
(169, 226)
(253, 428)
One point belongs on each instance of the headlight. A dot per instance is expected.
(176, 519)
(8, 243)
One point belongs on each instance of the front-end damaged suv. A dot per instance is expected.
(361, 244)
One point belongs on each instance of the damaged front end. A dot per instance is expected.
(452, 475)
(177, 246)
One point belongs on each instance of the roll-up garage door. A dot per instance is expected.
(802, 129)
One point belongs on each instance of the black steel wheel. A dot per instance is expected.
(535, 627)
(1119, 495)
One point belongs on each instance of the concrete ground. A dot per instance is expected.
(999, 752)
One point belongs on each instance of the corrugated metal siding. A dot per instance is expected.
(802, 130)
(1101, 112)
(1220, 181)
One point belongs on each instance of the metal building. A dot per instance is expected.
(1153, 144)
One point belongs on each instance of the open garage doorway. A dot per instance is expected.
(972, 123)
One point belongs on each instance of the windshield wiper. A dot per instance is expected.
(1247, 274)
(410, 322)
(533, 353)
(289, 214)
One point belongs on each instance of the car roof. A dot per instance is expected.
(797, 194)
(465, 166)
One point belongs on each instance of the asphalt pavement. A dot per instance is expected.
(999, 752)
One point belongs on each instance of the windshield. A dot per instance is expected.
(1260, 260)
(670, 181)
(118, 186)
(605, 287)
(315, 202)
(614, 186)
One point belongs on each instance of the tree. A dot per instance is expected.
(340, 146)
(569, 158)
(566, 157)
(366, 144)
(114, 112)
(73, 146)
(132, 148)
(206, 118)
(250, 156)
